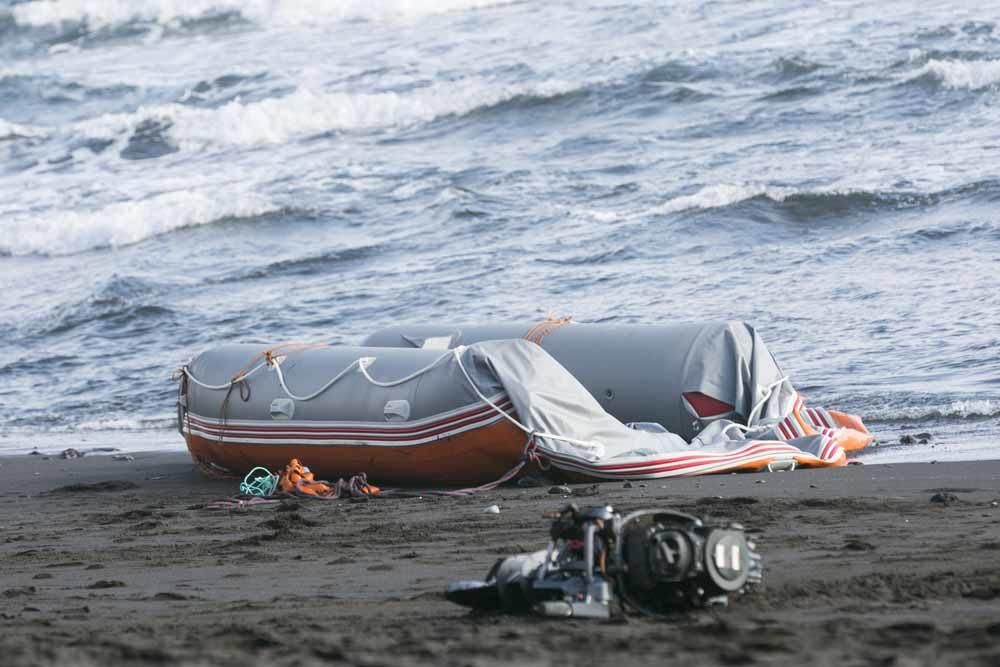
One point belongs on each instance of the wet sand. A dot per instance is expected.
(118, 562)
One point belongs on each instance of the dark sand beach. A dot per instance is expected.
(118, 562)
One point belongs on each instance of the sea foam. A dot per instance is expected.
(124, 424)
(719, 196)
(123, 223)
(966, 409)
(9, 131)
(967, 74)
(308, 112)
(98, 14)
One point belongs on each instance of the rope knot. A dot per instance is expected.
(531, 453)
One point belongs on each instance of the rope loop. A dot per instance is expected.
(533, 455)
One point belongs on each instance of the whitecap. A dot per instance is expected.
(308, 112)
(718, 196)
(9, 131)
(55, 232)
(123, 424)
(970, 75)
(98, 14)
(962, 409)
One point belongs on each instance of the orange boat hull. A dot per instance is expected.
(470, 458)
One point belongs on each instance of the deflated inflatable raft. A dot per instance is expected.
(681, 376)
(471, 414)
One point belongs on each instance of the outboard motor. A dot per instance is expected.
(653, 562)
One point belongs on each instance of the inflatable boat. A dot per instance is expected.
(455, 406)
(681, 376)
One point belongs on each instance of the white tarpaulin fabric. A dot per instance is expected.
(548, 399)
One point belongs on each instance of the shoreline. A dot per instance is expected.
(945, 445)
(860, 566)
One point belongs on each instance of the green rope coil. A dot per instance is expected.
(259, 482)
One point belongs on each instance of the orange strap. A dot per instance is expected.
(537, 333)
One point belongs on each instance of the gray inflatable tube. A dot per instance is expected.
(474, 414)
(678, 375)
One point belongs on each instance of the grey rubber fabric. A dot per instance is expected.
(567, 421)
(352, 398)
(638, 373)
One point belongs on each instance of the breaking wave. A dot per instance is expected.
(819, 202)
(719, 196)
(794, 202)
(113, 13)
(125, 223)
(10, 131)
(306, 112)
(967, 409)
(125, 424)
(962, 74)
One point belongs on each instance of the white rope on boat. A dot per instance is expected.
(309, 397)
(362, 365)
(365, 362)
(217, 387)
(597, 448)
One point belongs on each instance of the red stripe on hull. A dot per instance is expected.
(471, 458)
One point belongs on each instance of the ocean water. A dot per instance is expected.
(178, 173)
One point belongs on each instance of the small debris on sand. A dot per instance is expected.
(171, 596)
(944, 498)
(858, 545)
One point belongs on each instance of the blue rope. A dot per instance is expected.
(259, 482)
